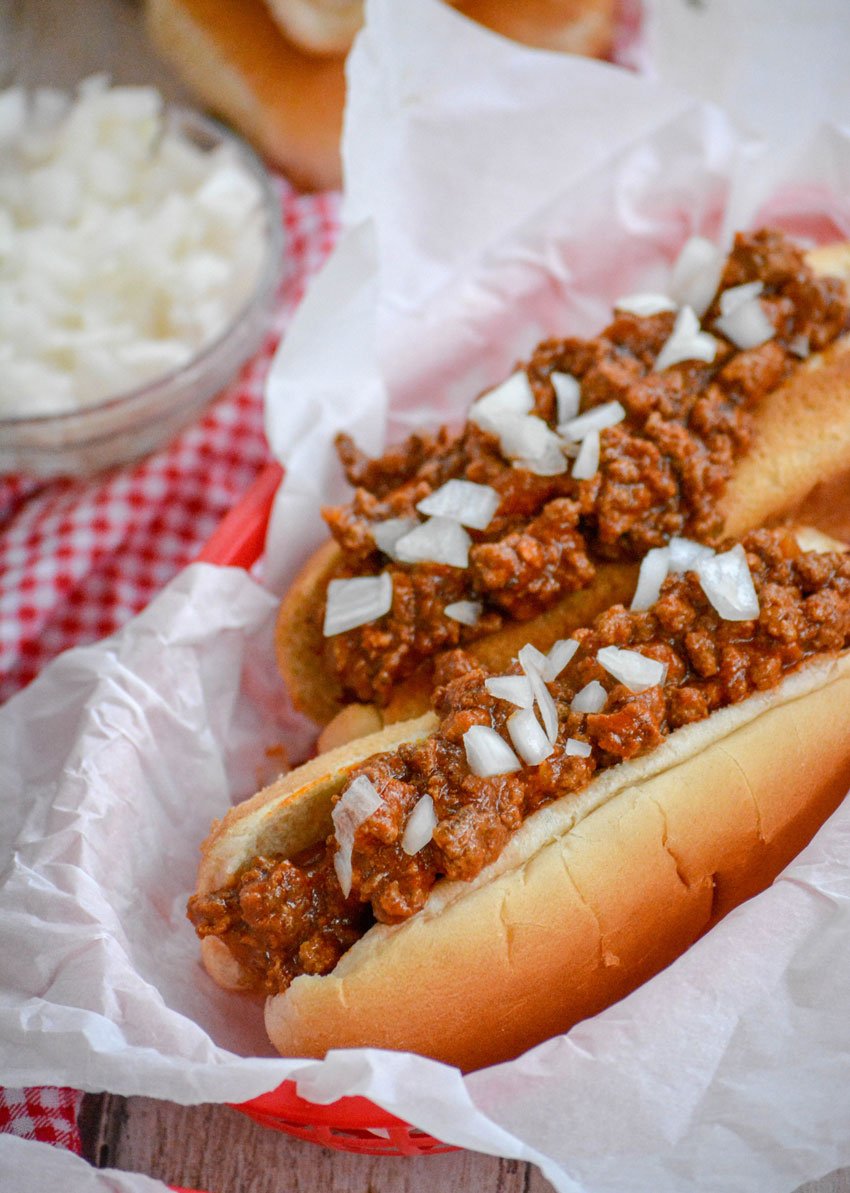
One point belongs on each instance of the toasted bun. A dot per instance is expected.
(570, 26)
(797, 465)
(236, 59)
(593, 895)
(319, 26)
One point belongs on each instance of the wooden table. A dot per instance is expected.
(214, 1148)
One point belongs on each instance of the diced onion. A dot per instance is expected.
(587, 461)
(463, 501)
(356, 602)
(577, 749)
(516, 689)
(800, 346)
(420, 826)
(513, 396)
(439, 540)
(531, 659)
(533, 663)
(653, 573)
(357, 804)
(387, 533)
(531, 442)
(591, 698)
(597, 419)
(567, 393)
(645, 304)
(686, 342)
(728, 584)
(487, 753)
(629, 667)
(530, 742)
(697, 273)
(685, 554)
(557, 658)
(466, 612)
(738, 296)
(745, 322)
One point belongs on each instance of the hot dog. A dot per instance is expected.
(704, 448)
(483, 878)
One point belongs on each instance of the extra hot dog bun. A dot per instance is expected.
(800, 453)
(234, 56)
(593, 895)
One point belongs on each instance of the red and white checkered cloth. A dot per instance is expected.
(79, 558)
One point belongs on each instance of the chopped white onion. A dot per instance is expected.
(387, 533)
(591, 698)
(557, 658)
(466, 612)
(577, 749)
(800, 346)
(516, 689)
(531, 659)
(738, 296)
(728, 584)
(530, 441)
(439, 540)
(745, 323)
(533, 663)
(587, 461)
(530, 742)
(513, 396)
(629, 667)
(697, 273)
(463, 501)
(357, 804)
(356, 602)
(645, 304)
(653, 572)
(568, 395)
(685, 554)
(487, 753)
(596, 419)
(686, 342)
(420, 826)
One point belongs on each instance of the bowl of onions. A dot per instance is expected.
(141, 247)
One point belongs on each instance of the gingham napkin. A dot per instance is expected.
(78, 558)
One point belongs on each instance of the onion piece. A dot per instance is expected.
(738, 296)
(577, 749)
(800, 346)
(696, 274)
(516, 689)
(587, 461)
(591, 698)
(557, 657)
(745, 322)
(533, 663)
(645, 304)
(531, 659)
(420, 826)
(635, 671)
(686, 342)
(355, 602)
(463, 501)
(596, 419)
(728, 584)
(653, 572)
(530, 742)
(439, 540)
(532, 443)
(685, 554)
(359, 801)
(487, 753)
(387, 533)
(567, 394)
(513, 396)
(466, 612)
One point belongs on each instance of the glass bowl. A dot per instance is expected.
(131, 424)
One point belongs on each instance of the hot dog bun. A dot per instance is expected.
(593, 895)
(234, 56)
(800, 451)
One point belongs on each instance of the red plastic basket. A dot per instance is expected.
(350, 1124)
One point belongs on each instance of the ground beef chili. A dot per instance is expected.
(661, 470)
(281, 918)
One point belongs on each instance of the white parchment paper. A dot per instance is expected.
(496, 195)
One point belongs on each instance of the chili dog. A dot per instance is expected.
(473, 882)
(674, 428)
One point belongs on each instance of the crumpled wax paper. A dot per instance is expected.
(496, 194)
